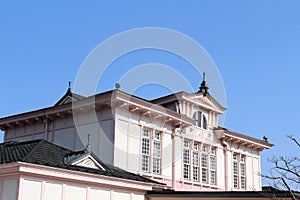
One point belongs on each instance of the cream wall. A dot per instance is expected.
(9, 188)
(34, 189)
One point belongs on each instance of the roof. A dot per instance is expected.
(241, 138)
(168, 194)
(42, 152)
(65, 107)
(69, 97)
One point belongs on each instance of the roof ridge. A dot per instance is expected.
(33, 150)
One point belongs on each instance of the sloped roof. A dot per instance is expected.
(42, 152)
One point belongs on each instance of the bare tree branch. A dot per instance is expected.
(286, 171)
(294, 139)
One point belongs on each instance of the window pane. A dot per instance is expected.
(157, 135)
(156, 165)
(156, 149)
(199, 119)
(204, 160)
(212, 162)
(243, 182)
(195, 158)
(213, 177)
(204, 175)
(146, 133)
(235, 168)
(235, 181)
(242, 169)
(186, 171)
(196, 146)
(186, 143)
(195, 173)
(186, 156)
(145, 163)
(145, 146)
(204, 122)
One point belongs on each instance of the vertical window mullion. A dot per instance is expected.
(156, 166)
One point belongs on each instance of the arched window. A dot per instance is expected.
(197, 117)
(204, 122)
(200, 119)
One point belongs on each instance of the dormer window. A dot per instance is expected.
(200, 119)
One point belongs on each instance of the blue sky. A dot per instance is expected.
(255, 45)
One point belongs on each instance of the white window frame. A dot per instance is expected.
(239, 171)
(151, 159)
(199, 162)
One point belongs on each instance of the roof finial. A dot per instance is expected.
(203, 87)
(69, 85)
(117, 86)
(88, 146)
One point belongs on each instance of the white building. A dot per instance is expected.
(174, 140)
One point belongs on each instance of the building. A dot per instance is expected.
(39, 170)
(174, 140)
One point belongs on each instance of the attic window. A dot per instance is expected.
(86, 160)
(89, 163)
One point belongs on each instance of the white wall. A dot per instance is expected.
(9, 189)
(34, 189)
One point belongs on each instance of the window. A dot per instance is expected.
(204, 165)
(200, 119)
(196, 162)
(199, 162)
(145, 151)
(243, 175)
(186, 160)
(239, 171)
(151, 152)
(212, 161)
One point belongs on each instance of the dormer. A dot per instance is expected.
(85, 159)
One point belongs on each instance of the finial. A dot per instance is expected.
(88, 146)
(117, 86)
(203, 87)
(69, 85)
(265, 138)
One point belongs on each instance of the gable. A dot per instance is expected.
(87, 161)
(69, 97)
(206, 102)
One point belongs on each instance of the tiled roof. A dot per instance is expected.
(42, 152)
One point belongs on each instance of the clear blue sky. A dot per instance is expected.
(255, 44)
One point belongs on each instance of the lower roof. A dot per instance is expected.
(42, 152)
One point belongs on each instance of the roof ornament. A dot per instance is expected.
(69, 88)
(88, 146)
(265, 138)
(117, 86)
(203, 87)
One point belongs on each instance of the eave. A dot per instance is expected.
(241, 139)
(59, 174)
(112, 98)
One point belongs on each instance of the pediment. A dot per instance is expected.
(86, 160)
(207, 102)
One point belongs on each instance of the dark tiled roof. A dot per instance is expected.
(45, 153)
